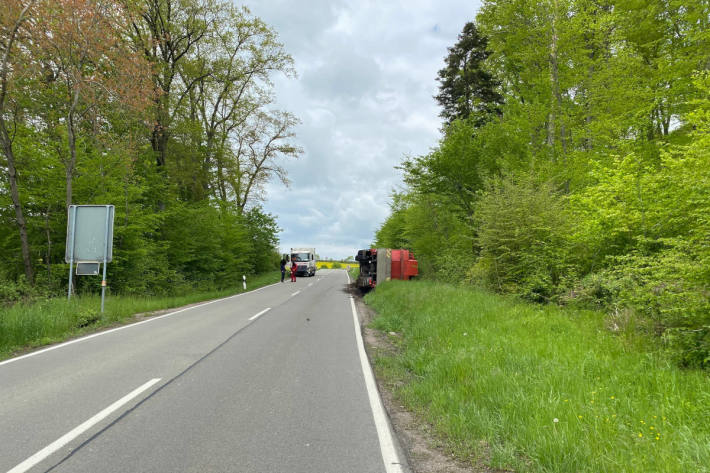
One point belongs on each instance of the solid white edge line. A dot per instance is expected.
(68, 437)
(260, 313)
(389, 452)
(295, 293)
(106, 332)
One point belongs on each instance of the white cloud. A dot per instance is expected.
(367, 76)
(342, 77)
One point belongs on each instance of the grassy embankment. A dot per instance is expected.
(539, 389)
(44, 322)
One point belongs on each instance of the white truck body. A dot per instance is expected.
(305, 259)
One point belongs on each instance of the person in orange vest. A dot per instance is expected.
(294, 267)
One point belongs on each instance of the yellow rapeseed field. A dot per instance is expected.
(329, 264)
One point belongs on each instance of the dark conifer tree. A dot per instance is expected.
(465, 87)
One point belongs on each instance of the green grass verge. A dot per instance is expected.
(539, 389)
(24, 326)
(354, 272)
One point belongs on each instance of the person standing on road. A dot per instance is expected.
(294, 267)
(283, 269)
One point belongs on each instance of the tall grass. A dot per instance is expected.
(48, 321)
(539, 389)
(354, 272)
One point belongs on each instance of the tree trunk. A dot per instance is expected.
(71, 141)
(7, 146)
(220, 181)
(207, 162)
(159, 136)
(14, 192)
(48, 234)
(159, 142)
(556, 106)
(69, 172)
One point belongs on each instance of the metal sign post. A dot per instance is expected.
(103, 278)
(89, 241)
(71, 224)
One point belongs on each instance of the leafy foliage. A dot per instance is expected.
(591, 185)
(160, 107)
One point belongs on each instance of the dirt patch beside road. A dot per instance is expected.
(423, 450)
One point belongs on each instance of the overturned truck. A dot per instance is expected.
(383, 264)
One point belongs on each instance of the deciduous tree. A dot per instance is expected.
(88, 63)
(14, 20)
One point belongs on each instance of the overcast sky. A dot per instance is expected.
(364, 93)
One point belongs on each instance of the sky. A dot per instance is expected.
(366, 78)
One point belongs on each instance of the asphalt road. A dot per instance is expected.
(228, 386)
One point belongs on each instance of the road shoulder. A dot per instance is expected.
(424, 452)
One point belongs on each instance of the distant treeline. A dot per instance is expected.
(574, 165)
(160, 107)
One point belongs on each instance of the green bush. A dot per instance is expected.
(15, 291)
(593, 291)
(670, 288)
(523, 235)
(453, 266)
(86, 317)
